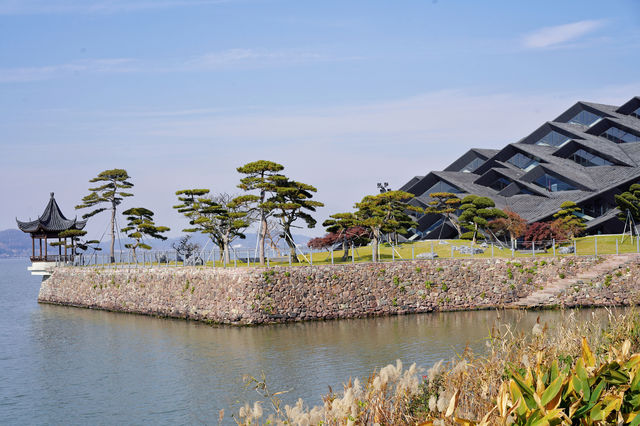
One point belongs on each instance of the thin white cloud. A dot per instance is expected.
(252, 57)
(46, 7)
(560, 34)
(214, 61)
(47, 72)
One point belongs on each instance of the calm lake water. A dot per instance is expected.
(62, 365)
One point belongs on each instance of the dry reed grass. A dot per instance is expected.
(464, 388)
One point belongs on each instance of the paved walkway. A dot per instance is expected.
(547, 296)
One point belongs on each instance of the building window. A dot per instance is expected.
(524, 161)
(441, 186)
(588, 159)
(585, 118)
(636, 113)
(596, 208)
(553, 184)
(473, 165)
(500, 183)
(553, 138)
(619, 136)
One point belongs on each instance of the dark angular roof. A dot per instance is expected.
(595, 185)
(51, 220)
(487, 153)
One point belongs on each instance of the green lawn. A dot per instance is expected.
(586, 246)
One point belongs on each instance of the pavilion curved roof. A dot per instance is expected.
(51, 220)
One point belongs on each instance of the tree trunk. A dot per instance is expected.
(225, 250)
(113, 231)
(475, 232)
(374, 247)
(262, 236)
(288, 238)
(455, 225)
(345, 248)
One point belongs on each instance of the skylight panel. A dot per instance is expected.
(553, 138)
(586, 118)
(619, 136)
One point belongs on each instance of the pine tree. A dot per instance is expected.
(476, 214)
(446, 204)
(292, 201)
(264, 177)
(340, 224)
(221, 217)
(568, 221)
(110, 193)
(385, 213)
(76, 242)
(629, 201)
(140, 224)
(231, 220)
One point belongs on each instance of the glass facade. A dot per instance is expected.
(552, 183)
(441, 186)
(585, 118)
(524, 161)
(597, 207)
(619, 136)
(500, 183)
(553, 138)
(636, 113)
(473, 165)
(588, 159)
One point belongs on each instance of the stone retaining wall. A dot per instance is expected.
(298, 293)
(618, 287)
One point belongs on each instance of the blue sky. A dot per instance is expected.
(344, 94)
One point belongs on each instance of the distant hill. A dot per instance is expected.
(14, 243)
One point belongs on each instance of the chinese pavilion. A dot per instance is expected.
(49, 226)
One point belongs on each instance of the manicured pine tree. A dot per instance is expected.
(476, 214)
(385, 213)
(110, 193)
(340, 224)
(292, 201)
(231, 220)
(567, 220)
(264, 178)
(76, 242)
(446, 204)
(140, 224)
(220, 217)
(629, 201)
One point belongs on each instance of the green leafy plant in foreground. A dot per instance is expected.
(587, 393)
(608, 393)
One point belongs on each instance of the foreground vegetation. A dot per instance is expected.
(576, 372)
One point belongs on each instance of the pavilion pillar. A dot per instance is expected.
(40, 241)
(45, 248)
(65, 249)
(59, 248)
(33, 247)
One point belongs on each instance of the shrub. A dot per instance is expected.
(469, 236)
